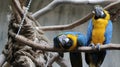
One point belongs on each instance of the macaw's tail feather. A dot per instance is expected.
(76, 59)
(95, 59)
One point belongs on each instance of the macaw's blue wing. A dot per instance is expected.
(82, 40)
(108, 33)
(76, 59)
(89, 32)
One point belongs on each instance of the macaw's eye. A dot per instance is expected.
(65, 40)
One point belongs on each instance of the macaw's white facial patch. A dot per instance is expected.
(63, 39)
(66, 40)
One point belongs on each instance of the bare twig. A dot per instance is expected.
(76, 23)
(111, 5)
(52, 49)
(55, 3)
(62, 62)
(58, 59)
(51, 60)
(2, 59)
(44, 10)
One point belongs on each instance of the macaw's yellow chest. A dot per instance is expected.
(98, 31)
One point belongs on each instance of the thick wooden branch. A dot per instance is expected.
(76, 23)
(2, 59)
(55, 3)
(52, 49)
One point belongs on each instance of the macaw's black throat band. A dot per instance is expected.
(97, 17)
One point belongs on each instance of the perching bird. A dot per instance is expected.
(99, 33)
(70, 41)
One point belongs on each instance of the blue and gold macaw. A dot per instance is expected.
(99, 33)
(70, 41)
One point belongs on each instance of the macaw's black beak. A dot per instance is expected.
(99, 13)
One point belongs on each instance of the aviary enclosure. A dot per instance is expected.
(27, 44)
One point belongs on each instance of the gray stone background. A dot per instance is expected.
(63, 14)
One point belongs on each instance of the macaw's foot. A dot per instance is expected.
(92, 45)
(98, 46)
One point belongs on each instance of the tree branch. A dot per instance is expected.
(62, 62)
(52, 49)
(46, 9)
(51, 60)
(76, 23)
(55, 3)
(68, 26)
(58, 59)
